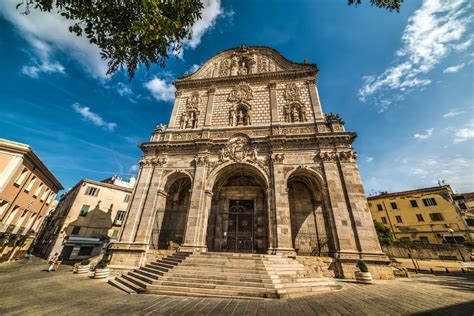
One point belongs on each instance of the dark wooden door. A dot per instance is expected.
(240, 226)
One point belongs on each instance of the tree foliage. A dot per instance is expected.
(128, 32)
(383, 233)
(391, 5)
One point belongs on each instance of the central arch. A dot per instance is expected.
(238, 220)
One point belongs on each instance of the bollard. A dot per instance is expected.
(431, 269)
(463, 271)
(447, 271)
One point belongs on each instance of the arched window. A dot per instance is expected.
(30, 185)
(45, 195)
(21, 177)
(38, 190)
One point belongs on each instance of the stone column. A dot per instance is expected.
(197, 214)
(273, 102)
(126, 253)
(315, 101)
(270, 222)
(282, 211)
(210, 104)
(177, 99)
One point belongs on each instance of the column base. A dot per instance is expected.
(127, 255)
(378, 264)
(192, 248)
(288, 252)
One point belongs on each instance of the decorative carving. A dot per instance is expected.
(153, 161)
(278, 158)
(342, 156)
(292, 92)
(241, 93)
(263, 64)
(201, 160)
(224, 69)
(238, 149)
(335, 122)
(160, 128)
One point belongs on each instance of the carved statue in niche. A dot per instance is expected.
(239, 112)
(189, 118)
(294, 110)
(224, 69)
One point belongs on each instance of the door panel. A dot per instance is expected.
(240, 226)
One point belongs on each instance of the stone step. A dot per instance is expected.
(214, 286)
(151, 272)
(218, 282)
(135, 287)
(161, 266)
(164, 264)
(192, 291)
(227, 277)
(310, 290)
(223, 265)
(172, 260)
(225, 261)
(142, 275)
(138, 282)
(173, 292)
(121, 286)
(219, 269)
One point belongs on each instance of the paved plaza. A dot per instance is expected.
(27, 289)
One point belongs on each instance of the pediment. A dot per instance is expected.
(246, 60)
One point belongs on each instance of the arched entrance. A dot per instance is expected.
(309, 231)
(238, 220)
(173, 225)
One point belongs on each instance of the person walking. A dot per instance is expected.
(58, 262)
(52, 261)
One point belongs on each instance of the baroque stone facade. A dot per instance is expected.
(250, 163)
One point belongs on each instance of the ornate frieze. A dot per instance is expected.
(238, 149)
(153, 161)
(342, 156)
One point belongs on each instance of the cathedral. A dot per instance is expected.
(250, 163)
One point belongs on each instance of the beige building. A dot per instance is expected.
(430, 215)
(27, 192)
(249, 163)
(465, 203)
(87, 218)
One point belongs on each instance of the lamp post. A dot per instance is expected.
(451, 231)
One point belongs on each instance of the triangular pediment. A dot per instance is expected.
(246, 60)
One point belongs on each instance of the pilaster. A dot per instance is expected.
(210, 103)
(315, 101)
(175, 109)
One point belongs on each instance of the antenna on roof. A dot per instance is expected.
(306, 61)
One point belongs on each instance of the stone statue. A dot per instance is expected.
(184, 120)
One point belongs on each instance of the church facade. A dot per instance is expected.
(250, 163)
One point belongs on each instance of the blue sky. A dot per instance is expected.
(402, 81)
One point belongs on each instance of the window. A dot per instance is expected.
(424, 240)
(85, 251)
(436, 217)
(462, 206)
(92, 191)
(51, 197)
(115, 233)
(429, 202)
(30, 185)
(3, 206)
(413, 203)
(470, 221)
(384, 220)
(379, 207)
(84, 210)
(56, 230)
(45, 195)
(419, 217)
(75, 230)
(394, 205)
(119, 217)
(399, 219)
(12, 215)
(127, 198)
(21, 177)
(38, 190)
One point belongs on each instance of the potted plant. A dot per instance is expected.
(83, 267)
(101, 270)
(363, 276)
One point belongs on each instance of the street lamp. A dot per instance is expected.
(451, 231)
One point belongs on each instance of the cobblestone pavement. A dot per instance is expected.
(27, 289)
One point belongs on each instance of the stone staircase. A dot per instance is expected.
(235, 275)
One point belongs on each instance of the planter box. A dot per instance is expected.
(363, 277)
(101, 273)
(83, 269)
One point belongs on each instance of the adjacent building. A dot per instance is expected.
(87, 218)
(465, 203)
(430, 215)
(27, 192)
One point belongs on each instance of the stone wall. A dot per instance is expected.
(320, 266)
(427, 251)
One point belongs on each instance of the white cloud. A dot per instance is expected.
(453, 113)
(453, 69)
(426, 135)
(42, 67)
(48, 33)
(433, 31)
(463, 134)
(134, 168)
(369, 159)
(92, 117)
(123, 89)
(194, 68)
(209, 14)
(162, 90)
